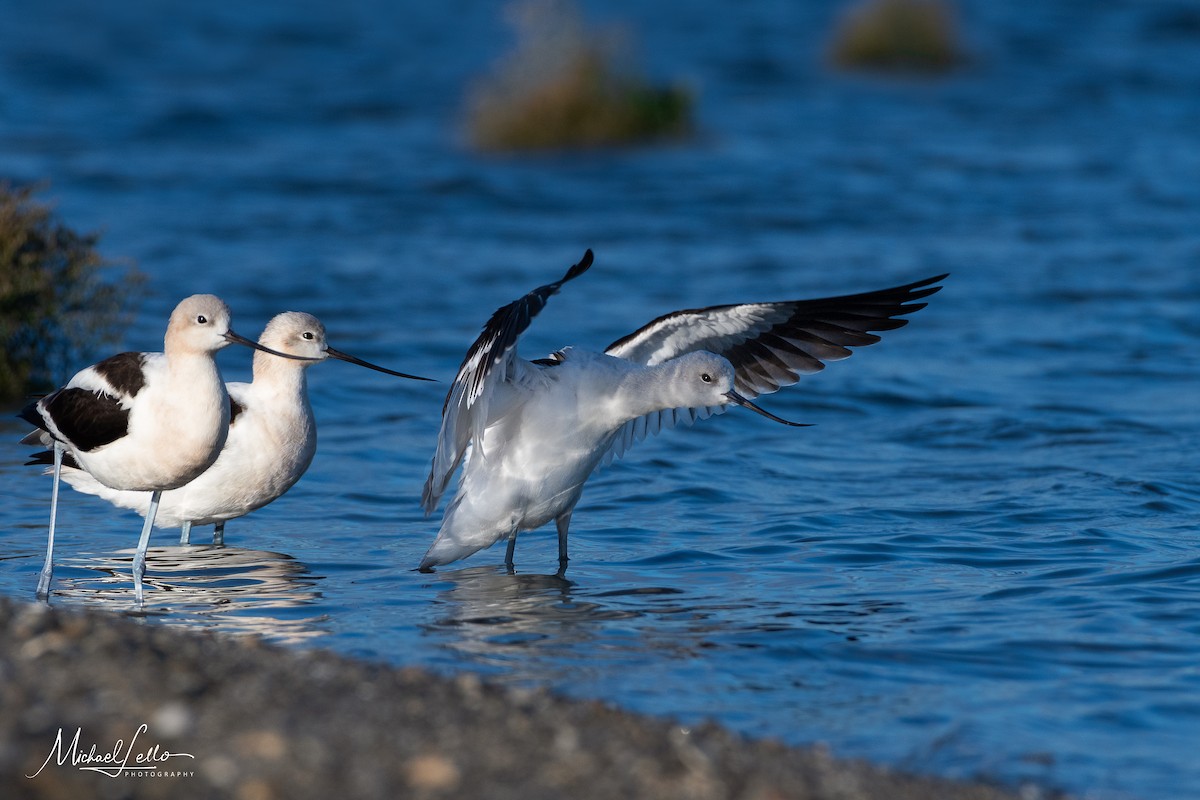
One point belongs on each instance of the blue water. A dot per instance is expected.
(983, 561)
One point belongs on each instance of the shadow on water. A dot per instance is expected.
(230, 589)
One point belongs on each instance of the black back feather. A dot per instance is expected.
(124, 372)
(86, 418)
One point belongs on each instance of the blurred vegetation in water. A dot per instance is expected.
(564, 87)
(899, 35)
(60, 303)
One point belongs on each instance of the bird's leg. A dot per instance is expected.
(185, 532)
(562, 523)
(219, 534)
(43, 587)
(139, 558)
(512, 546)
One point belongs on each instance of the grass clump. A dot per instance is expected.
(56, 311)
(914, 35)
(561, 87)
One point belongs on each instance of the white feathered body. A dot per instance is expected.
(548, 430)
(178, 423)
(270, 444)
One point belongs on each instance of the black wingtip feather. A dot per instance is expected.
(46, 458)
(580, 268)
(31, 415)
(544, 292)
(919, 289)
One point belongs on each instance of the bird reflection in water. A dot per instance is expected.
(525, 626)
(231, 589)
(546, 630)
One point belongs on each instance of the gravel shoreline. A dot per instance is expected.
(262, 722)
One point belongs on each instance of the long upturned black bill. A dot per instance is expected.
(239, 339)
(734, 397)
(338, 354)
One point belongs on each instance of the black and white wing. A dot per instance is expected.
(769, 344)
(490, 361)
(772, 344)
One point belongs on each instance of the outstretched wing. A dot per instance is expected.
(769, 344)
(490, 361)
(772, 344)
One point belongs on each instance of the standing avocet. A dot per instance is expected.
(272, 437)
(532, 432)
(143, 421)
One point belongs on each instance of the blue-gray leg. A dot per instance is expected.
(512, 546)
(185, 532)
(43, 587)
(139, 558)
(219, 534)
(562, 523)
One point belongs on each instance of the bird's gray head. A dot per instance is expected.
(708, 380)
(702, 379)
(200, 324)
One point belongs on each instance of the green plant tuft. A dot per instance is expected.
(914, 35)
(56, 309)
(561, 87)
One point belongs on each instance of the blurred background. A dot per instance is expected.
(981, 562)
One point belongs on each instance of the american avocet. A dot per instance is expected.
(143, 421)
(272, 437)
(532, 432)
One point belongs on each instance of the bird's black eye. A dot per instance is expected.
(308, 335)
(202, 320)
(706, 378)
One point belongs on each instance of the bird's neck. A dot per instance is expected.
(641, 391)
(195, 371)
(284, 375)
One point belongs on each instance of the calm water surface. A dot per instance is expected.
(984, 560)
